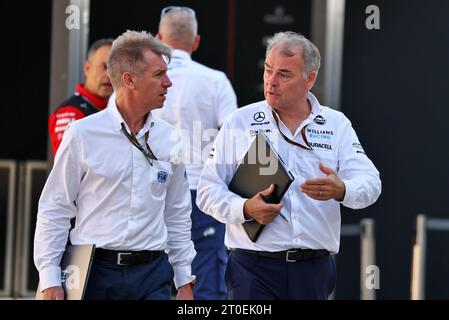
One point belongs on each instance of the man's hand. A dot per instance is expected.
(323, 189)
(54, 293)
(185, 292)
(256, 208)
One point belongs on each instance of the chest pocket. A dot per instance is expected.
(160, 175)
(306, 163)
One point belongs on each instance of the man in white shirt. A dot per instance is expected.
(291, 259)
(197, 104)
(120, 173)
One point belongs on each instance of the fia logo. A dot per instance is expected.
(162, 176)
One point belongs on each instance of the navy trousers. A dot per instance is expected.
(211, 257)
(149, 281)
(252, 277)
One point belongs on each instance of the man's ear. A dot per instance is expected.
(196, 43)
(311, 79)
(86, 67)
(128, 81)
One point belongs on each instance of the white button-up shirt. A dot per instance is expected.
(311, 223)
(197, 104)
(120, 201)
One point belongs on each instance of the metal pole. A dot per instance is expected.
(419, 259)
(328, 18)
(68, 51)
(368, 261)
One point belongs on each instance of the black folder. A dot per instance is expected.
(260, 167)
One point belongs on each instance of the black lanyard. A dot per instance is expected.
(303, 133)
(149, 155)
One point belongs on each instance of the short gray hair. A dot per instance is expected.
(290, 40)
(179, 26)
(127, 54)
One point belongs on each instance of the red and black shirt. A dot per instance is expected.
(82, 104)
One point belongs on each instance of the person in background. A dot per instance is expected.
(197, 104)
(89, 98)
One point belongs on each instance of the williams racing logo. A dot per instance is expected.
(319, 120)
(323, 138)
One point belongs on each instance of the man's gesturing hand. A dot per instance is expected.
(256, 208)
(329, 187)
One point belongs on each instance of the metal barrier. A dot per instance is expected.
(367, 252)
(8, 171)
(418, 281)
(32, 177)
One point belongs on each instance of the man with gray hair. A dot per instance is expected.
(197, 104)
(120, 173)
(291, 259)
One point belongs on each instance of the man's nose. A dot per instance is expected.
(167, 82)
(272, 81)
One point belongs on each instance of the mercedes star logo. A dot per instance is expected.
(259, 116)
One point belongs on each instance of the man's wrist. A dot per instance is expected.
(246, 216)
(341, 192)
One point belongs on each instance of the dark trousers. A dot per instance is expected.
(148, 281)
(211, 257)
(253, 277)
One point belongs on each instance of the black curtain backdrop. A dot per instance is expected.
(395, 91)
(25, 30)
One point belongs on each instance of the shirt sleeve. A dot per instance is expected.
(55, 209)
(356, 170)
(226, 100)
(213, 195)
(178, 208)
(58, 122)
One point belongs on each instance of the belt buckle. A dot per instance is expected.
(119, 258)
(287, 255)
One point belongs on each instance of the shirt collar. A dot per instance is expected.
(181, 54)
(314, 103)
(118, 119)
(98, 102)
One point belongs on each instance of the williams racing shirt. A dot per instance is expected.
(310, 223)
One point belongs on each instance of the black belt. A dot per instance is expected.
(126, 258)
(291, 255)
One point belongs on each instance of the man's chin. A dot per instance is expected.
(157, 107)
(105, 94)
(272, 102)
